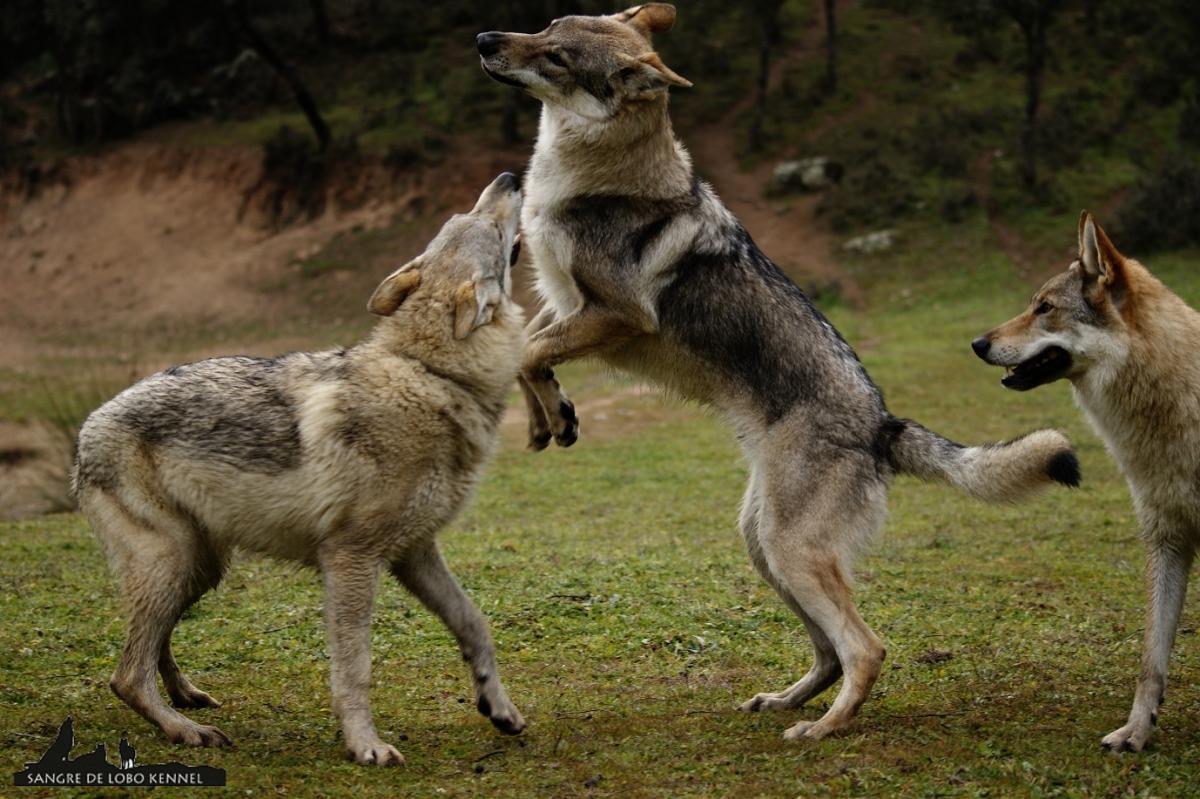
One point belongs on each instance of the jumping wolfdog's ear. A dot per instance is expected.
(647, 75)
(394, 289)
(474, 303)
(648, 18)
(1099, 257)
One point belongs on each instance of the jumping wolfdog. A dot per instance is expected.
(347, 460)
(640, 264)
(1128, 346)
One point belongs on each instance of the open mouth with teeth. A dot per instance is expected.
(1045, 367)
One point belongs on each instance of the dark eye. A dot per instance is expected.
(555, 59)
(516, 253)
(1043, 308)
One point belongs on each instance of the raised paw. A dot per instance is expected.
(199, 735)
(375, 753)
(1130, 738)
(539, 439)
(566, 426)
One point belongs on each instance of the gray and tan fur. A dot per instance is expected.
(348, 460)
(639, 264)
(1127, 344)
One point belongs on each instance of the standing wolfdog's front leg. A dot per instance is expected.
(1167, 569)
(592, 328)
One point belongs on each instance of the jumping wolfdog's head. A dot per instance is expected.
(469, 261)
(592, 66)
(1079, 320)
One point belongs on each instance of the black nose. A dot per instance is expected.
(981, 346)
(508, 181)
(489, 43)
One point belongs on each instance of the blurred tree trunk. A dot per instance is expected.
(264, 50)
(767, 14)
(831, 46)
(1089, 16)
(320, 22)
(1033, 17)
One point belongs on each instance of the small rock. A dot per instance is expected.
(592, 782)
(868, 243)
(807, 174)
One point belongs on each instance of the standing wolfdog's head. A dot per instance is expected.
(591, 66)
(469, 261)
(1078, 321)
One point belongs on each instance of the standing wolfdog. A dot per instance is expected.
(348, 460)
(639, 263)
(1127, 343)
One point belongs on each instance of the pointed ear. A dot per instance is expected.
(474, 305)
(1101, 260)
(394, 289)
(648, 18)
(646, 76)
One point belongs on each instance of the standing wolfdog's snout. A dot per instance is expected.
(349, 460)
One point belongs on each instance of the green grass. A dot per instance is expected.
(629, 623)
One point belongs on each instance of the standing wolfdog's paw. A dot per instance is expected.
(1130, 738)
(501, 712)
(194, 734)
(374, 753)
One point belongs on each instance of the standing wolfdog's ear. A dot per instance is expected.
(1099, 257)
(475, 302)
(648, 18)
(394, 289)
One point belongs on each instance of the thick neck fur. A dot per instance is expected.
(634, 153)
(1152, 391)
(485, 363)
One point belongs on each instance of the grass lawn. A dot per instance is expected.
(630, 624)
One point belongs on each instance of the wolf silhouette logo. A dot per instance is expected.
(55, 767)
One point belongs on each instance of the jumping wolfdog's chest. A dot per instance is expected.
(552, 249)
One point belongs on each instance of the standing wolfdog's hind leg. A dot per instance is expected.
(183, 693)
(424, 573)
(350, 581)
(154, 568)
(826, 669)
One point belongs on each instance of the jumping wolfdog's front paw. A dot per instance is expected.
(1130, 738)
(374, 753)
(565, 425)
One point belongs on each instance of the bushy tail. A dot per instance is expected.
(994, 472)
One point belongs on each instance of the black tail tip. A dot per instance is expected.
(1064, 468)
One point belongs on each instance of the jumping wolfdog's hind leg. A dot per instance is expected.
(826, 669)
(350, 581)
(805, 558)
(424, 573)
(1166, 577)
(154, 570)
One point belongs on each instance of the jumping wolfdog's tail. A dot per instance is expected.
(994, 472)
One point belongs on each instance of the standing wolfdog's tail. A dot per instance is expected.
(995, 472)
